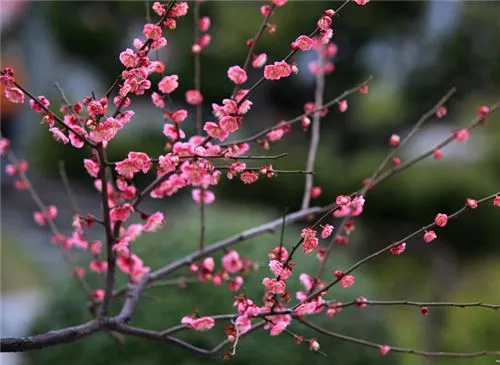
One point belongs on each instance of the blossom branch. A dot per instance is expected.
(387, 248)
(395, 349)
(298, 118)
(254, 41)
(269, 227)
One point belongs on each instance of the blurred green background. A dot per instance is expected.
(416, 51)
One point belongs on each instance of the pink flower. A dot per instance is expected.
(59, 135)
(309, 240)
(91, 166)
(259, 60)
(441, 112)
(361, 302)
(347, 281)
(168, 84)
(243, 324)
(158, 8)
(277, 71)
(208, 264)
(154, 222)
(471, 203)
(122, 212)
(14, 95)
(194, 97)
(274, 286)
(204, 24)
(215, 131)
(4, 145)
(462, 135)
(173, 132)
(98, 266)
(324, 23)
(315, 192)
(483, 110)
(179, 115)
(249, 177)
(394, 140)
(306, 309)
(207, 197)
(152, 31)
(237, 75)
(496, 201)
(361, 2)
(303, 42)
(98, 295)
(179, 9)
(363, 89)
(229, 124)
(384, 349)
(399, 249)
(429, 236)
(343, 200)
(342, 106)
(199, 324)
(279, 2)
(35, 105)
(314, 345)
(277, 328)
(437, 154)
(128, 58)
(326, 231)
(235, 283)
(232, 262)
(441, 220)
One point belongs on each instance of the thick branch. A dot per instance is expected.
(52, 338)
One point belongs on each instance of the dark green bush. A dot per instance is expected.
(164, 306)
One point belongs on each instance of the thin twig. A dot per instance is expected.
(315, 128)
(395, 349)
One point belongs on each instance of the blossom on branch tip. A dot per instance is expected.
(231, 262)
(361, 2)
(274, 286)
(496, 201)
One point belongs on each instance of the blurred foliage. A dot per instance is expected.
(17, 270)
(164, 306)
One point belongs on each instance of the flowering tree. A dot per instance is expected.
(199, 162)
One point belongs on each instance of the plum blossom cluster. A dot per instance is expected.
(198, 162)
